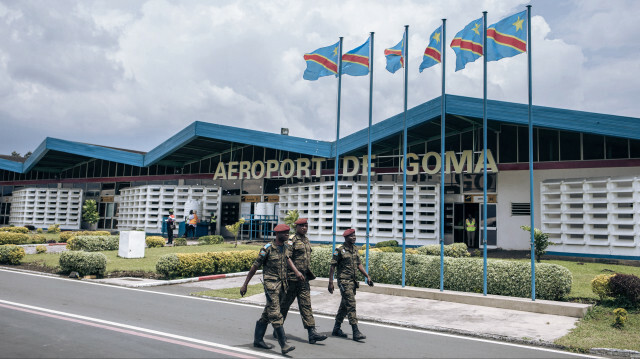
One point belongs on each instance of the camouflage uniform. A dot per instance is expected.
(274, 274)
(301, 257)
(347, 261)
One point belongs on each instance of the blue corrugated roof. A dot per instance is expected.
(507, 112)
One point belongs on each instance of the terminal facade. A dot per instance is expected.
(586, 179)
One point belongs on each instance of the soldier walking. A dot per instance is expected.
(274, 258)
(347, 260)
(299, 288)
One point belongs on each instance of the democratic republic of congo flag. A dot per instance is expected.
(395, 58)
(322, 62)
(432, 52)
(356, 61)
(507, 37)
(467, 44)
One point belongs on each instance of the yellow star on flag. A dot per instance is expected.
(475, 29)
(437, 37)
(335, 51)
(518, 24)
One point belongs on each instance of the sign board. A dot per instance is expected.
(106, 199)
(478, 198)
(272, 198)
(251, 198)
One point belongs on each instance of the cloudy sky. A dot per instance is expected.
(130, 74)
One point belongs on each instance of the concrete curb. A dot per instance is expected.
(158, 283)
(576, 310)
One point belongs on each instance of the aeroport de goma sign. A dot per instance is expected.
(429, 163)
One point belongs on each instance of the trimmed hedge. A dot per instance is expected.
(509, 278)
(179, 241)
(93, 243)
(11, 254)
(54, 228)
(625, 287)
(391, 243)
(13, 238)
(67, 235)
(154, 241)
(211, 240)
(14, 229)
(85, 263)
(41, 249)
(196, 264)
(456, 250)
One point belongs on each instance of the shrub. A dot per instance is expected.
(540, 241)
(11, 254)
(84, 263)
(37, 239)
(54, 228)
(508, 278)
(13, 238)
(154, 241)
(211, 240)
(625, 287)
(391, 243)
(195, 264)
(67, 235)
(39, 230)
(14, 229)
(456, 250)
(620, 317)
(93, 243)
(180, 241)
(90, 212)
(600, 285)
(41, 249)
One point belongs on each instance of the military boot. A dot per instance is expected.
(357, 335)
(281, 340)
(337, 332)
(258, 336)
(314, 336)
(275, 335)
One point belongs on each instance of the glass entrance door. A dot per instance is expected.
(492, 224)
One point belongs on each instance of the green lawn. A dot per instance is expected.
(146, 264)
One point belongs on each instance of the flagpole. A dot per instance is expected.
(484, 152)
(369, 144)
(443, 112)
(335, 167)
(404, 156)
(531, 206)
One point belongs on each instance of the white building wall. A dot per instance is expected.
(513, 186)
(315, 201)
(42, 207)
(144, 207)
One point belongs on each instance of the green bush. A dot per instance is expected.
(13, 238)
(40, 231)
(37, 239)
(179, 241)
(621, 316)
(210, 240)
(391, 243)
(154, 241)
(540, 241)
(93, 243)
(67, 235)
(54, 228)
(14, 229)
(85, 263)
(196, 264)
(600, 285)
(41, 249)
(625, 287)
(11, 254)
(509, 278)
(456, 250)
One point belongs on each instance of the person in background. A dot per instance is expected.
(213, 224)
(187, 225)
(194, 223)
(470, 228)
(171, 223)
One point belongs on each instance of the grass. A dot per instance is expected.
(231, 293)
(146, 264)
(595, 330)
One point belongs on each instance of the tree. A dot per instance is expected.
(27, 155)
(291, 218)
(540, 241)
(235, 229)
(90, 212)
(15, 154)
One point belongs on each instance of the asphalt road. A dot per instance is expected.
(42, 316)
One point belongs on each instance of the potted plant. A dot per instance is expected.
(90, 214)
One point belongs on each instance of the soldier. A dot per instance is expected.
(299, 288)
(347, 260)
(274, 257)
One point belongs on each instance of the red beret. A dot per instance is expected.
(281, 228)
(301, 221)
(348, 232)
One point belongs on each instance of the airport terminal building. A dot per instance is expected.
(586, 179)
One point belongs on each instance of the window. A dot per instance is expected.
(634, 146)
(523, 144)
(593, 147)
(617, 147)
(569, 146)
(508, 144)
(549, 147)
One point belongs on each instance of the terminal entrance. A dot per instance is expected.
(460, 214)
